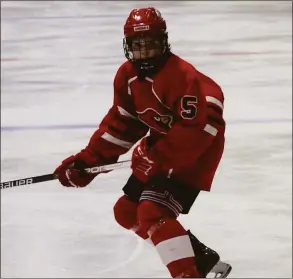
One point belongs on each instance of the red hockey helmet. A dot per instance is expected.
(146, 21)
(146, 40)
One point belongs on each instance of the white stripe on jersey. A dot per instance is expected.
(123, 112)
(122, 143)
(215, 101)
(211, 130)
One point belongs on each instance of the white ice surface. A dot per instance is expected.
(58, 60)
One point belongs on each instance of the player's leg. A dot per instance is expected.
(169, 237)
(160, 218)
(157, 213)
(125, 209)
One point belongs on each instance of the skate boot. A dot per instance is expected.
(207, 260)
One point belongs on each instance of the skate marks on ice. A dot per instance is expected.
(63, 232)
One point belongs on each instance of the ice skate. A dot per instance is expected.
(207, 260)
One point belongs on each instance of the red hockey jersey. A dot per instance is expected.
(182, 110)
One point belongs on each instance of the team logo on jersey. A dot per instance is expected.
(165, 119)
(160, 122)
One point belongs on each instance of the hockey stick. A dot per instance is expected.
(52, 176)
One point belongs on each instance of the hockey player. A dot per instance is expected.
(177, 114)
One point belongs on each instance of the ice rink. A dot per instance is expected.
(58, 61)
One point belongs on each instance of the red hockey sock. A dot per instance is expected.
(170, 238)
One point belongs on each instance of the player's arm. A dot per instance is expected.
(117, 133)
(200, 121)
(120, 129)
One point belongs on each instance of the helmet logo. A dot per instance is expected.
(141, 28)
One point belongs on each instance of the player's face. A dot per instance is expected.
(145, 47)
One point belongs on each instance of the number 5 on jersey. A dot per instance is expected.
(188, 107)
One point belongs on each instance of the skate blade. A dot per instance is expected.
(220, 270)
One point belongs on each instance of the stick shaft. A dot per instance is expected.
(51, 176)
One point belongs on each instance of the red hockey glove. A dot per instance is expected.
(71, 172)
(144, 168)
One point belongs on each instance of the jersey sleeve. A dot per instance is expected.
(120, 129)
(200, 120)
